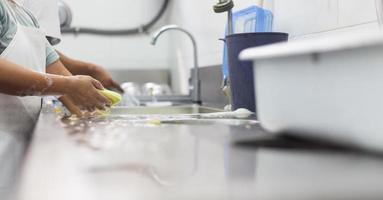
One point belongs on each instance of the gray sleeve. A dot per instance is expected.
(52, 55)
(3, 18)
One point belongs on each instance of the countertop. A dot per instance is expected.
(115, 159)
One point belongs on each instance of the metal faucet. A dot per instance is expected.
(221, 7)
(195, 88)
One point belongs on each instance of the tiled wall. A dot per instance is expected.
(307, 18)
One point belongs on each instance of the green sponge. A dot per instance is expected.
(114, 97)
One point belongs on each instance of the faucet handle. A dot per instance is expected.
(223, 6)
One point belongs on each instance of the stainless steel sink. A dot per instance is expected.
(120, 117)
(168, 110)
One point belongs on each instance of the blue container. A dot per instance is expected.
(241, 72)
(249, 20)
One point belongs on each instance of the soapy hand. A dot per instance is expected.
(83, 91)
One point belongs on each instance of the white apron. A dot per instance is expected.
(18, 115)
(47, 13)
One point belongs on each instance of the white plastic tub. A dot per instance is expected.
(330, 88)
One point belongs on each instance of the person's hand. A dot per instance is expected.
(78, 67)
(72, 108)
(105, 78)
(76, 111)
(83, 92)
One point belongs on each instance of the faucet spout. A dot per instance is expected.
(195, 89)
(162, 30)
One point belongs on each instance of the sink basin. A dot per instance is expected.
(167, 110)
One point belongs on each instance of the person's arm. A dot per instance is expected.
(18, 81)
(82, 90)
(78, 67)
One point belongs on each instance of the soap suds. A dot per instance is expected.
(49, 81)
(241, 113)
(33, 89)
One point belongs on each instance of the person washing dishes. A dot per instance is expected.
(31, 68)
(47, 14)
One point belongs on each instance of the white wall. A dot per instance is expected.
(136, 52)
(300, 18)
(115, 52)
(198, 17)
(208, 27)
